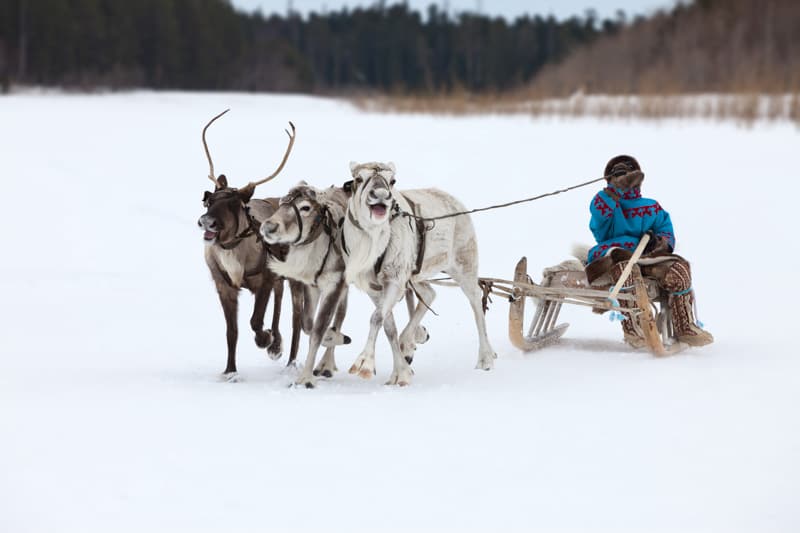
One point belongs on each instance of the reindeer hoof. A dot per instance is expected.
(364, 366)
(421, 335)
(230, 377)
(333, 338)
(275, 352)
(326, 373)
(401, 378)
(306, 381)
(364, 373)
(485, 363)
(263, 338)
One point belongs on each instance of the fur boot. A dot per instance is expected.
(632, 337)
(678, 281)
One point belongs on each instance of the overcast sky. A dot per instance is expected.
(507, 8)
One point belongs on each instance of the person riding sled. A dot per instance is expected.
(620, 217)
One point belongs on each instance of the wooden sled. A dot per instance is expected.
(567, 284)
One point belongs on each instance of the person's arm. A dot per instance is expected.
(608, 220)
(664, 241)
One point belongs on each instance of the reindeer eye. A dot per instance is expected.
(305, 208)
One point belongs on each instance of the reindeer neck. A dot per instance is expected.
(363, 246)
(305, 262)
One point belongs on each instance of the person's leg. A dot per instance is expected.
(678, 282)
(632, 337)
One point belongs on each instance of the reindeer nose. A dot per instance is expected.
(379, 193)
(268, 227)
(207, 222)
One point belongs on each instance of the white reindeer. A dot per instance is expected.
(383, 256)
(306, 221)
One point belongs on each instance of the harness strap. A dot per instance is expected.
(353, 220)
(416, 293)
(321, 224)
(345, 251)
(421, 233)
(236, 241)
(379, 263)
(324, 259)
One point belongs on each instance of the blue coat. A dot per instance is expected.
(621, 224)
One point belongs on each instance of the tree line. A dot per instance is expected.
(207, 44)
(729, 46)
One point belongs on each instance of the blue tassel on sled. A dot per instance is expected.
(616, 316)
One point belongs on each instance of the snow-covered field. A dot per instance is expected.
(112, 418)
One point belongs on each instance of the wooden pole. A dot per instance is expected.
(627, 270)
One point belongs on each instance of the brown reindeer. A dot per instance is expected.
(237, 258)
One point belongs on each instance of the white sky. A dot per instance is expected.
(507, 8)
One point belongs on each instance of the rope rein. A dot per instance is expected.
(498, 206)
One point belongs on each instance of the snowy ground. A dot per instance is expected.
(111, 417)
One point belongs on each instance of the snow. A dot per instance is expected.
(112, 418)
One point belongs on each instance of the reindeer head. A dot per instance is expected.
(226, 208)
(299, 217)
(371, 192)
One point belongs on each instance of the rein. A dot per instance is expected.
(498, 206)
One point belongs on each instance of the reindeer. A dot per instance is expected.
(385, 253)
(238, 259)
(306, 222)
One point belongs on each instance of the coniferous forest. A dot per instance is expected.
(207, 44)
(702, 46)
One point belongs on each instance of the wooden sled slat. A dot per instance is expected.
(543, 331)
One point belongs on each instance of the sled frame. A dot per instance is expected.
(649, 311)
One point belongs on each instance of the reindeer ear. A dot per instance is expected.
(348, 188)
(246, 192)
(353, 166)
(223, 182)
(391, 166)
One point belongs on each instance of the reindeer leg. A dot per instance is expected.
(469, 285)
(327, 366)
(401, 372)
(310, 302)
(297, 291)
(421, 335)
(229, 298)
(262, 293)
(409, 337)
(329, 302)
(275, 349)
(364, 365)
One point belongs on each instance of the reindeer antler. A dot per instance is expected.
(208, 154)
(291, 135)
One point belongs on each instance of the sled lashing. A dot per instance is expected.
(566, 283)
